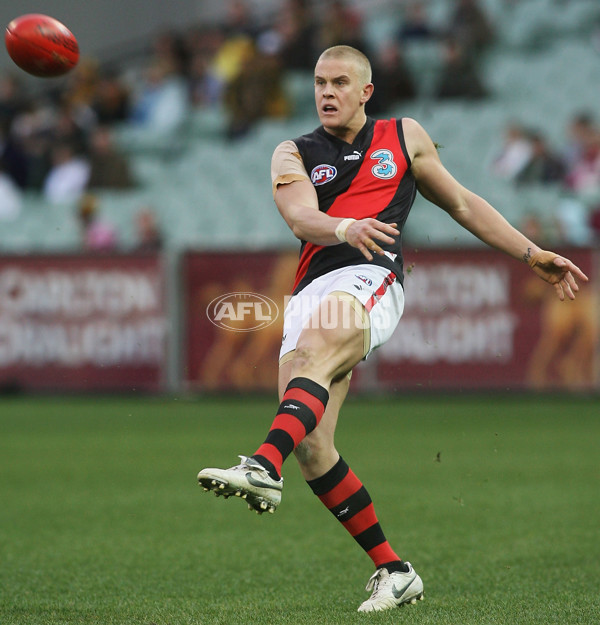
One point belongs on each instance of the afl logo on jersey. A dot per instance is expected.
(322, 174)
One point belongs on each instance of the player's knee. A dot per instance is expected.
(310, 456)
(303, 453)
(320, 360)
(306, 358)
(313, 449)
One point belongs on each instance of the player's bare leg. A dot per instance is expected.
(331, 344)
(331, 479)
(325, 351)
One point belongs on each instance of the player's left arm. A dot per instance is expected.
(475, 214)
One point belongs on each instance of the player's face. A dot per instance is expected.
(339, 96)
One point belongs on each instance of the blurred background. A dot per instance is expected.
(135, 190)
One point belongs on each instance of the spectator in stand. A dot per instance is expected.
(415, 24)
(235, 48)
(514, 154)
(594, 224)
(584, 174)
(97, 235)
(82, 86)
(470, 25)
(162, 105)
(30, 140)
(340, 24)
(203, 44)
(12, 157)
(76, 117)
(70, 168)
(579, 210)
(581, 127)
(69, 126)
(544, 166)
(149, 237)
(199, 81)
(170, 46)
(393, 78)
(12, 104)
(227, 63)
(109, 168)
(239, 20)
(68, 174)
(11, 199)
(112, 100)
(296, 27)
(459, 77)
(255, 93)
(12, 98)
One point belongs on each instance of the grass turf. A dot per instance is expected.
(494, 500)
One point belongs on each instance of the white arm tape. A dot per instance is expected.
(340, 231)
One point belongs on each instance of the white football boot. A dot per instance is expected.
(391, 590)
(248, 480)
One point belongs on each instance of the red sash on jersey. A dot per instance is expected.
(368, 195)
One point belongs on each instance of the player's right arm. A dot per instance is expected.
(297, 201)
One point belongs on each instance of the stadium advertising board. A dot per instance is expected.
(82, 323)
(478, 319)
(234, 318)
(473, 320)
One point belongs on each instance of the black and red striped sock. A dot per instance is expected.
(299, 413)
(348, 500)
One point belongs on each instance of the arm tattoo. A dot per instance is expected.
(527, 255)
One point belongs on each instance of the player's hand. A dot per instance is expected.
(559, 271)
(364, 234)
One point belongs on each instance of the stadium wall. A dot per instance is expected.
(83, 323)
(474, 319)
(212, 322)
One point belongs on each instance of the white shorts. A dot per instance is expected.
(377, 289)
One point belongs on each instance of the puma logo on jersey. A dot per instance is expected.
(355, 156)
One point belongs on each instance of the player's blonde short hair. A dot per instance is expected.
(348, 53)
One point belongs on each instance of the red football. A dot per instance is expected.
(41, 45)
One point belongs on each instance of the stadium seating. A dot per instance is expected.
(209, 193)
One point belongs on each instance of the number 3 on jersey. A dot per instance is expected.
(385, 168)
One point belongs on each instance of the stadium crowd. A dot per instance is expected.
(527, 158)
(59, 142)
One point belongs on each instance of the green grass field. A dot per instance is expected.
(496, 502)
